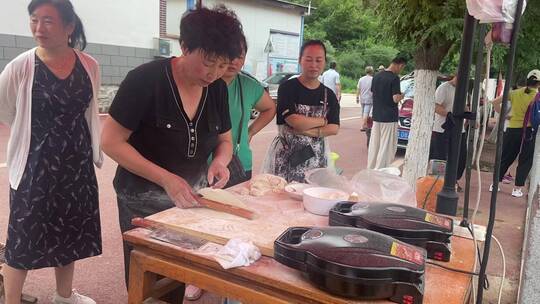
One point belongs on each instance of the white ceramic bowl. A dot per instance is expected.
(320, 200)
(296, 190)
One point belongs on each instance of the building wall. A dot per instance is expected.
(257, 19)
(115, 61)
(119, 38)
(132, 23)
(121, 33)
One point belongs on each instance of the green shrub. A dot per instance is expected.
(348, 84)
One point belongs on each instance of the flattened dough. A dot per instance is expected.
(265, 183)
(222, 196)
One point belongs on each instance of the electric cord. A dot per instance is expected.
(504, 269)
(478, 256)
(477, 155)
(452, 269)
(429, 191)
(477, 247)
(473, 218)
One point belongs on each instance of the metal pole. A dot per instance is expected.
(479, 66)
(498, 152)
(447, 199)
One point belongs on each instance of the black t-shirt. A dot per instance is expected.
(292, 93)
(148, 103)
(384, 86)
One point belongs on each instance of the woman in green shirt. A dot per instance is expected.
(515, 142)
(246, 93)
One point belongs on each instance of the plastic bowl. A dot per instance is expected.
(320, 200)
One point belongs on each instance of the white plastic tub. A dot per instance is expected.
(320, 200)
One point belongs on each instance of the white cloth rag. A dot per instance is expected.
(237, 253)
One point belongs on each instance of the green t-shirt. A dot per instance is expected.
(252, 91)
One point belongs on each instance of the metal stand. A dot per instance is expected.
(479, 67)
(498, 153)
(447, 199)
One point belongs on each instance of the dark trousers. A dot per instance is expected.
(512, 148)
(142, 205)
(439, 150)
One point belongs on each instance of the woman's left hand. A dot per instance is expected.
(218, 172)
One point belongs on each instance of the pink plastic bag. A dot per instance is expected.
(502, 32)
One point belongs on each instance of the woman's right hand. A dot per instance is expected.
(179, 191)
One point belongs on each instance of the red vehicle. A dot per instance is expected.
(404, 122)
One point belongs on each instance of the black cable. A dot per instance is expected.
(452, 269)
(477, 247)
(429, 192)
(486, 281)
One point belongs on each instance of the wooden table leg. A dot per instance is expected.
(140, 280)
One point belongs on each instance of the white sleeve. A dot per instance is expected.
(440, 95)
(8, 95)
(337, 78)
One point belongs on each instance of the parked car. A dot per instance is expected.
(273, 81)
(406, 107)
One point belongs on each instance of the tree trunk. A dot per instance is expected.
(417, 155)
(428, 58)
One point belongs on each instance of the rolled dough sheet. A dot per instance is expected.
(222, 196)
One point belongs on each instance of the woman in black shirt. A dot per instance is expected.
(169, 116)
(307, 112)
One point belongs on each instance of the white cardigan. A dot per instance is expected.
(16, 107)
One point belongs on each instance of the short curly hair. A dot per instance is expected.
(216, 32)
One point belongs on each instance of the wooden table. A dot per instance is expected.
(268, 281)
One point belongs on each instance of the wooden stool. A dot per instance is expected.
(25, 299)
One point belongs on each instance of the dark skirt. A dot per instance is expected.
(54, 213)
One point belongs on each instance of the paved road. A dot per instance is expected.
(102, 277)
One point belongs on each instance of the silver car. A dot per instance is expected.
(273, 81)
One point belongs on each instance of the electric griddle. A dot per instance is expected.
(408, 224)
(355, 263)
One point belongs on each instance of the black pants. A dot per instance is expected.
(439, 150)
(512, 147)
(142, 205)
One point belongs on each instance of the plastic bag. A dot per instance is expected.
(502, 32)
(509, 10)
(327, 177)
(493, 11)
(369, 185)
(377, 186)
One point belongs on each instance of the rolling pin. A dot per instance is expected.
(241, 212)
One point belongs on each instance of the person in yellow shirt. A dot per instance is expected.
(514, 141)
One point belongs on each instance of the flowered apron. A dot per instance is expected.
(287, 143)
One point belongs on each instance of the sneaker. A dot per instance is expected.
(75, 298)
(516, 192)
(507, 179)
(192, 293)
(491, 188)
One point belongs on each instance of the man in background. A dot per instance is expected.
(386, 96)
(444, 103)
(364, 95)
(330, 78)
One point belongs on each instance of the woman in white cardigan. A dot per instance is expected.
(48, 98)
